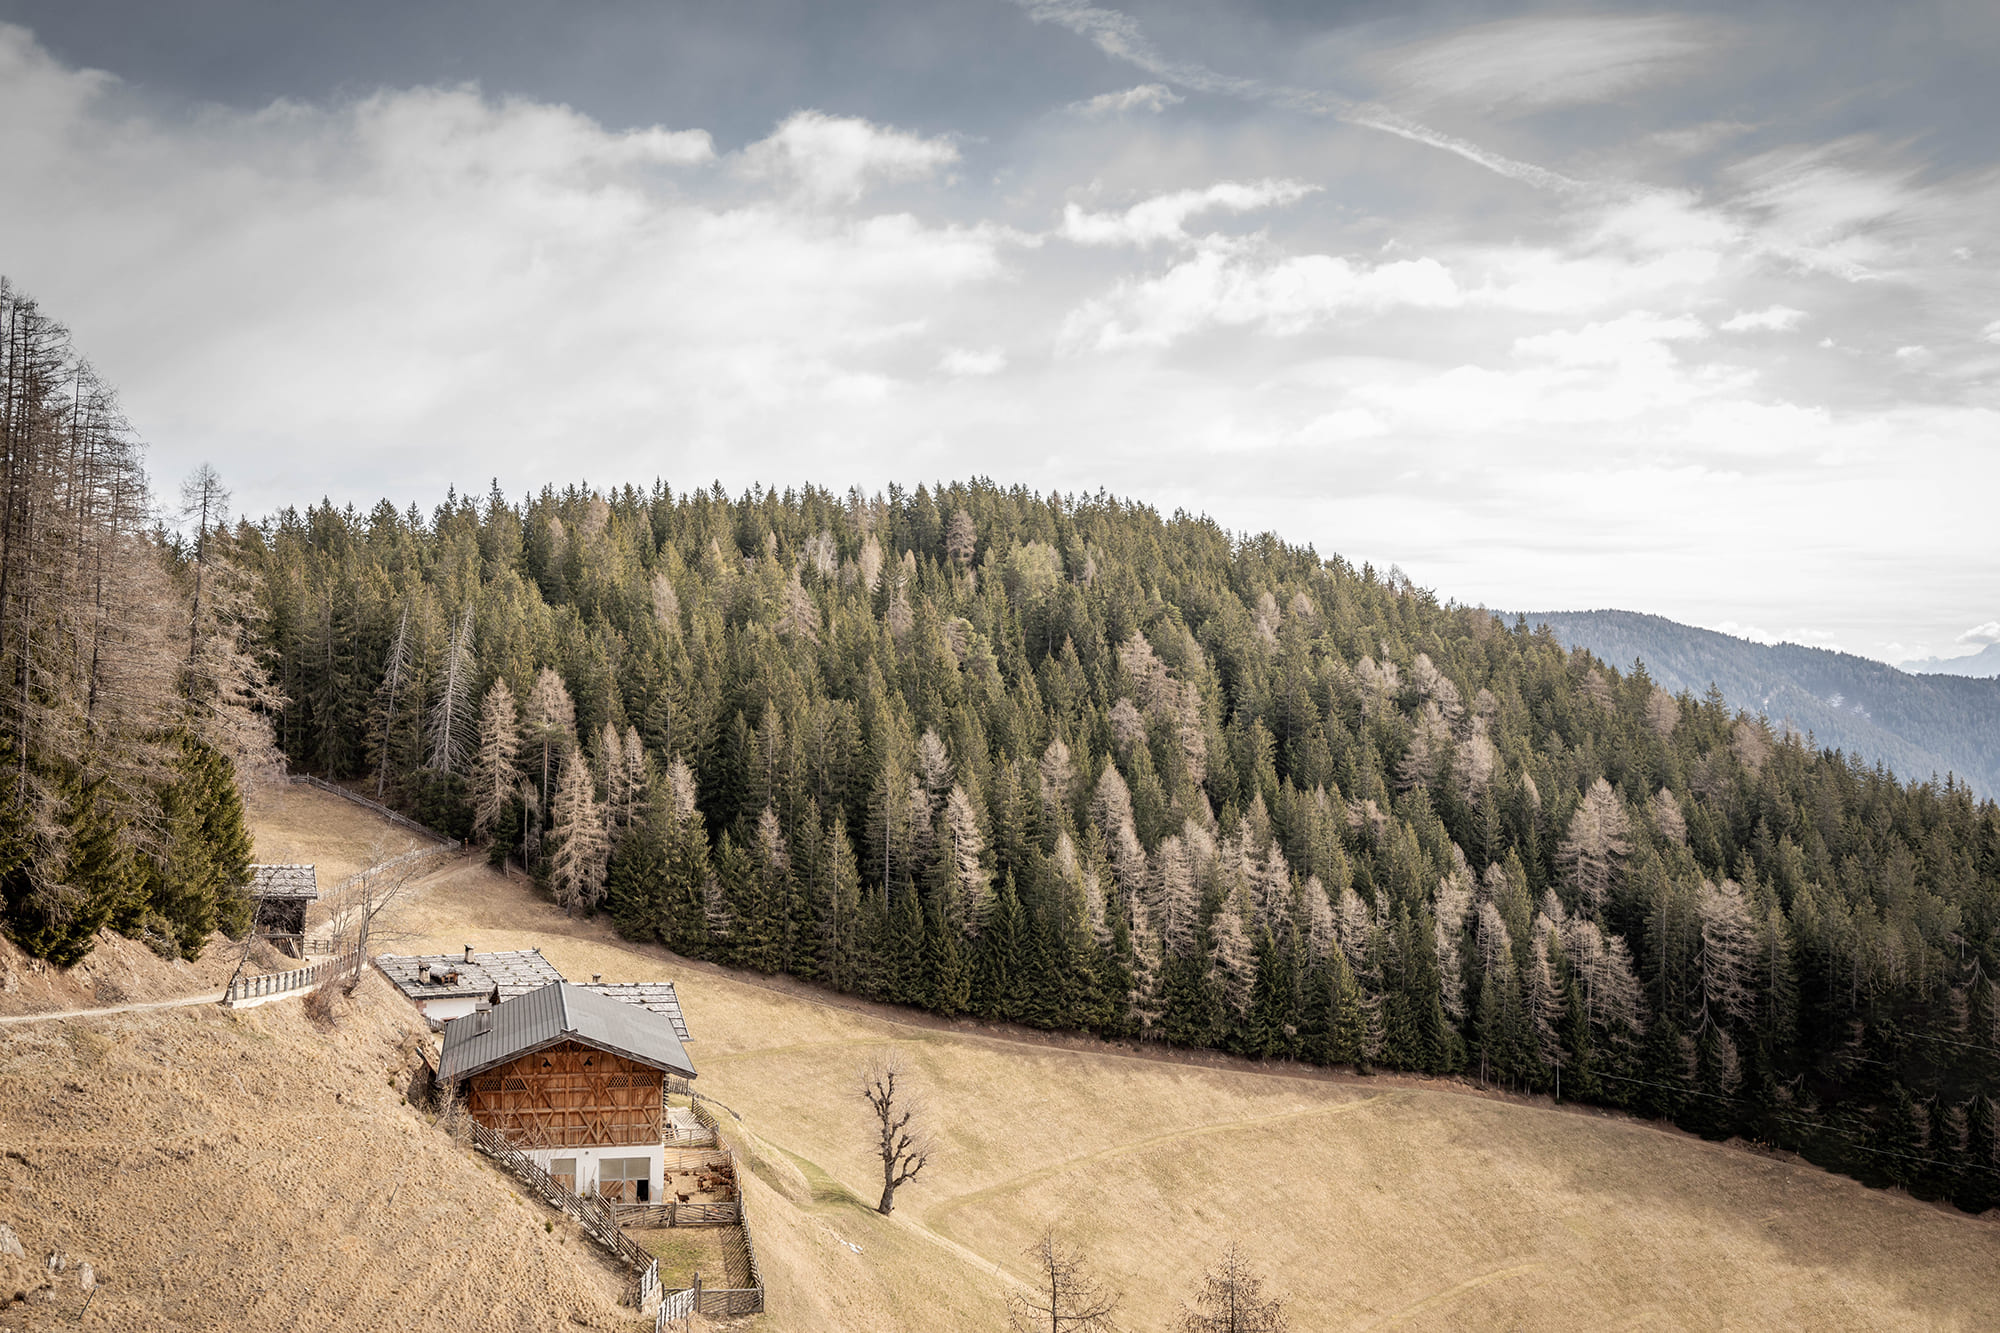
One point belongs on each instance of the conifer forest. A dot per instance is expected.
(1058, 761)
(1066, 762)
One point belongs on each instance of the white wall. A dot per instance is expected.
(588, 1158)
(444, 1009)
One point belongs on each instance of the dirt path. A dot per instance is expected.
(182, 1002)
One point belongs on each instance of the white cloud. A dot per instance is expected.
(1164, 216)
(361, 294)
(960, 361)
(1833, 208)
(1640, 337)
(1286, 296)
(836, 158)
(1991, 333)
(1534, 62)
(1146, 97)
(1773, 319)
(1754, 633)
(1982, 634)
(1914, 355)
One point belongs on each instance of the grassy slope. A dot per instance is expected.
(1373, 1202)
(248, 1170)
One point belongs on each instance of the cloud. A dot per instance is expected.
(1162, 217)
(1118, 36)
(319, 297)
(1281, 297)
(1700, 138)
(1535, 62)
(1987, 633)
(1153, 97)
(1772, 319)
(836, 158)
(1991, 333)
(961, 362)
(1914, 355)
(1829, 209)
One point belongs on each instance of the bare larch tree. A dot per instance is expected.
(1231, 1299)
(1066, 1297)
(901, 1142)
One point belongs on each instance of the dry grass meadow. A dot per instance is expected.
(1374, 1203)
(222, 1167)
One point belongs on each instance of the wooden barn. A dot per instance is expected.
(281, 894)
(573, 1079)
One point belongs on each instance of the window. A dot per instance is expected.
(564, 1171)
(628, 1179)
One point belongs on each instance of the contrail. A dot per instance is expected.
(1118, 36)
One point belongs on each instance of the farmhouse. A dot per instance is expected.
(282, 893)
(448, 986)
(574, 1080)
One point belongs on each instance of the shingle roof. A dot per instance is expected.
(657, 996)
(559, 1012)
(511, 972)
(276, 881)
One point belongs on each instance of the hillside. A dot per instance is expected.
(1069, 763)
(1919, 725)
(247, 1170)
(1374, 1202)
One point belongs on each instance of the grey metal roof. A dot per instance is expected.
(657, 996)
(511, 972)
(276, 881)
(555, 1013)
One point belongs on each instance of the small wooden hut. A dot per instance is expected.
(282, 893)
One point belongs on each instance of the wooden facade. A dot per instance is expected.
(569, 1096)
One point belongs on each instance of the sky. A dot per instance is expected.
(1690, 311)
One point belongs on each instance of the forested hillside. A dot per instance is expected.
(1068, 763)
(126, 699)
(1922, 726)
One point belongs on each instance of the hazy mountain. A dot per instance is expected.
(1984, 664)
(1916, 724)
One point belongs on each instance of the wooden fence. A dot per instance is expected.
(399, 820)
(677, 1305)
(299, 978)
(673, 1213)
(710, 1300)
(597, 1216)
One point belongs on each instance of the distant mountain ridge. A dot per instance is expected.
(1984, 664)
(1918, 725)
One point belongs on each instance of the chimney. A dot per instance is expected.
(596, 977)
(424, 973)
(468, 953)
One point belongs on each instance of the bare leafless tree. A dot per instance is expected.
(1066, 1296)
(901, 1140)
(1231, 1299)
